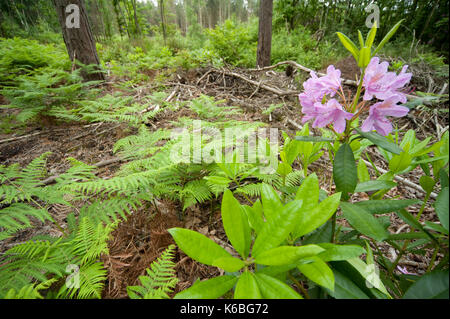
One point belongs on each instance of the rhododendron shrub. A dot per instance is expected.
(324, 102)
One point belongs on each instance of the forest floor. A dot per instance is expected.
(141, 239)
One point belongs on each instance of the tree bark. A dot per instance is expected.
(265, 33)
(136, 21)
(79, 42)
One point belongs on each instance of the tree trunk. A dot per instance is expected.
(163, 22)
(265, 33)
(136, 21)
(79, 42)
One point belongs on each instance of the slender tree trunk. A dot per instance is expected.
(265, 33)
(163, 22)
(136, 21)
(79, 41)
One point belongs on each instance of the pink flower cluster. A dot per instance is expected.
(319, 103)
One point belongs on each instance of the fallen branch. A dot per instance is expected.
(401, 180)
(260, 84)
(156, 107)
(101, 164)
(13, 139)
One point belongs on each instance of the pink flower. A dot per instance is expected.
(382, 84)
(316, 89)
(377, 116)
(331, 112)
(405, 271)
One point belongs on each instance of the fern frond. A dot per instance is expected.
(89, 282)
(18, 216)
(30, 291)
(252, 190)
(160, 279)
(91, 240)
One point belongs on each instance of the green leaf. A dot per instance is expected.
(247, 287)
(198, 246)
(388, 37)
(441, 206)
(318, 272)
(385, 206)
(314, 139)
(284, 169)
(340, 252)
(364, 57)
(361, 39)
(286, 255)
(271, 201)
(369, 273)
(349, 45)
(363, 172)
(310, 220)
(364, 222)
(371, 186)
(433, 285)
(255, 216)
(235, 224)
(371, 36)
(278, 228)
(344, 170)
(230, 264)
(209, 289)
(308, 192)
(399, 163)
(345, 288)
(381, 141)
(272, 288)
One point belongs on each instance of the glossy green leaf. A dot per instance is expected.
(247, 287)
(230, 264)
(286, 255)
(369, 273)
(318, 272)
(371, 36)
(235, 224)
(310, 220)
(385, 206)
(345, 289)
(308, 192)
(371, 186)
(363, 172)
(278, 228)
(255, 216)
(364, 57)
(340, 252)
(344, 170)
(271, 201)
(209, 289)
(361, 39)
(399, 163)
(364, 222)
(433, 285)
(381, 141)
(198, 246)
(272, 288)
(349, 45)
